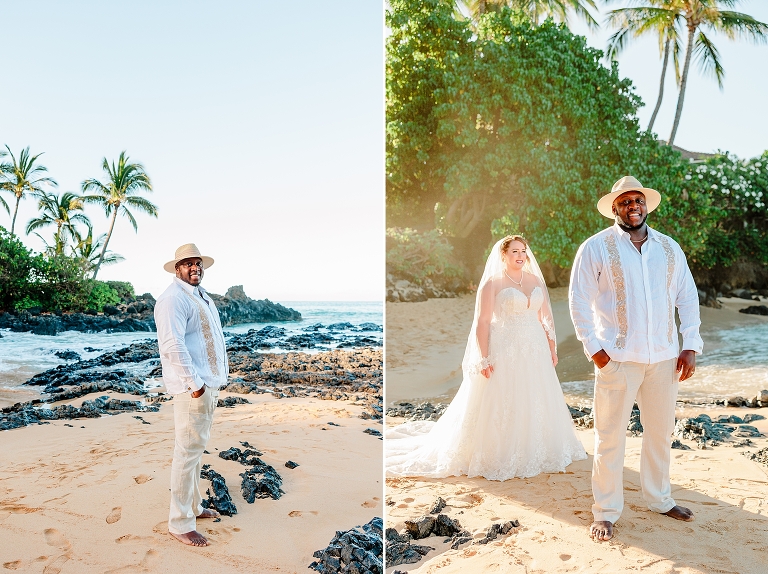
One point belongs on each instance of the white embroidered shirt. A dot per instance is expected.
(191, 341)
(623, 301)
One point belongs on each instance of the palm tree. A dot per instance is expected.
(536, 9)
(657, 18)
(710, 14)
(63, 212)
(90, 250)
(123, 183)
(23, 176)
(3, 168)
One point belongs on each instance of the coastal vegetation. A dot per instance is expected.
(501, 124)
(63, 277)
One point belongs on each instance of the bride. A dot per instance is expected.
(509, 417)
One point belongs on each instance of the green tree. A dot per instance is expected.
(657, 19)
(709, 15)
(517, 128)
(124, 182)
(62, 211)
(536, 10)
(90, 250)
(21, 177)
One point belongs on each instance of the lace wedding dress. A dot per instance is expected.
(514, 424)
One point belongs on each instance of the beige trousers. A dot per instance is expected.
(617, 385)
(193, 419)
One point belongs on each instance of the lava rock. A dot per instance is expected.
(437, 506)
(425, 411)
(290, 464)
(359, 550)
(420, 528)
(67, 355)
(755, 310)
(230, 402)
(401, 551)
(261, 481)
(218, 493)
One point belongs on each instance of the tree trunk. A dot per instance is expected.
(106, 242)
(661, 85)
(15, 211)
(683, 82)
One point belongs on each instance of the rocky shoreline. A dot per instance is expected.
(354, 373)
(137, 314)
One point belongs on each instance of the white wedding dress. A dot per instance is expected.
(514, 424)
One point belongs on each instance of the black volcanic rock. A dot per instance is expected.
(235, 307)
(359, 550)
(218, 494)
(138, 315)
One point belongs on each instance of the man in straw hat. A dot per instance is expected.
(626, 282)
(194, 360)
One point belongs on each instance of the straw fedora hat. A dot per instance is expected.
(625, 184)
(185, 252)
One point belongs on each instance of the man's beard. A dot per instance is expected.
(626, 227)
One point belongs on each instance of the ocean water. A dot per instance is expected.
(734, 362)
(23, 355)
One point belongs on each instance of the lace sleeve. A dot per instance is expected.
(546, 316)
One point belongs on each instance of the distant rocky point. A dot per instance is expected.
(137, 314)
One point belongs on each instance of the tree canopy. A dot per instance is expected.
(516, 128)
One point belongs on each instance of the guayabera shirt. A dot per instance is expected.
(623, 300)
(191, 341)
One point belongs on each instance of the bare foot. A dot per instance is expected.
(208, 513)
(193, 538)
(680, 513)
(601, 530)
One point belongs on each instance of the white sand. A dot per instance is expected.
(95, 499)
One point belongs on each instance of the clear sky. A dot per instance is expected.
(733, 119)
(259, 123)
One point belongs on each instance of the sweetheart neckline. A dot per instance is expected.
(528, 297)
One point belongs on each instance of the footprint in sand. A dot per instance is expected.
(55, 538)
(128, 538)
(146, 564)
(221, 534)
(295, 513)
(161, 528)
(14, 565)
(55, 566)
(115, 515)
(369, 504)
(142, 478)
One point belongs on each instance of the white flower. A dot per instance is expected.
(688, 176)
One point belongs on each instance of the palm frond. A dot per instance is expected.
(130, 217)
(738, 25)
(709, 58)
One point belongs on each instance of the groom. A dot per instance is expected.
(626, 282)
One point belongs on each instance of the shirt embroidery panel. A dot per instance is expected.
(205, 325)
(617, 273)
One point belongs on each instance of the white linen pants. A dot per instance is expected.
(193, 419)
(617, 385)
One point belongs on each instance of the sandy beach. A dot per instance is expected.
(426, 341)
(726, 490)
(98, 501)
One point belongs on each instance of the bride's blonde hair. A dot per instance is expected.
(509, 239)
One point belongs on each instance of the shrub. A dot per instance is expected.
(101, 294)
(420, 256)
(124, 289)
